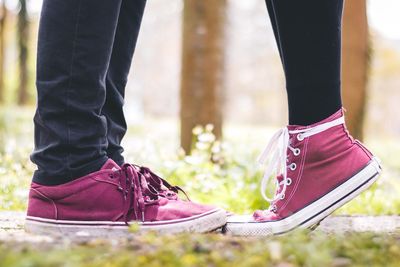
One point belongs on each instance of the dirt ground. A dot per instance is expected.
(12, 227)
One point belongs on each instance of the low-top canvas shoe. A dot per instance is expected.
(319, 168)
(106, 202)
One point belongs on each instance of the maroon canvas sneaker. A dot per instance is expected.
(319, 168)
(106, 202)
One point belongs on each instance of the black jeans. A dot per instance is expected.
(84, 55)
(308, 35)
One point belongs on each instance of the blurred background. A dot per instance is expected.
(227, 58)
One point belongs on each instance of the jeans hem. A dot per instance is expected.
(47, 179)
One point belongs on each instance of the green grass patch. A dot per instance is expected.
(296, 249)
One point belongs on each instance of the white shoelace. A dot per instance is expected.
(278, 148)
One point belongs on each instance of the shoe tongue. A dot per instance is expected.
(110, 165)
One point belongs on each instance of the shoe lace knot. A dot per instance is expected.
(141, 187)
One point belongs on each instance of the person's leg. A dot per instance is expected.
(75, 47)
(74, 50)
(124, 46)
(271, 13)
(308, 34)
(318, 166)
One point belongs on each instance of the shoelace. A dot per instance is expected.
(140, 188)
(161, 186)
(279, 147)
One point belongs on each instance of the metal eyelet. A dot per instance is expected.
(293, 166)
(283, 196)
(288, 181)
(296, 151)
(300, 137)
(273, 208)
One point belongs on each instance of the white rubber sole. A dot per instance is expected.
(202, 223)
(312, 214)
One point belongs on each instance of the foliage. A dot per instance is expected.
(15, 168)
(219, 173)
(213, 174)
(296, 249)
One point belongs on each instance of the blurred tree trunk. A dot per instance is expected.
(355, 71)
(23, 39)
(3, 19)
(202, 67)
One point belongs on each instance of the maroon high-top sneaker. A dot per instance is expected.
(106, 202)
(319, 168)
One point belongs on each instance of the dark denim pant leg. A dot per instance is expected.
(308, 35)
(126, 36)
(74, 50)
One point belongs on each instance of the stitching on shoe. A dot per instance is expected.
(50, 200)
(364, 149)
(92, 176)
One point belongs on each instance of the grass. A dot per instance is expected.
(296, 249)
